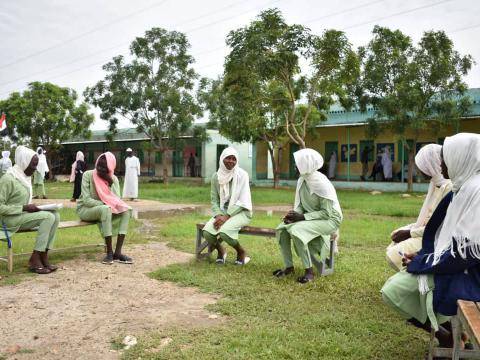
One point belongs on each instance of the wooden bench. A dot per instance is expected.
(324, 268)
(62, 225)
(467, 320)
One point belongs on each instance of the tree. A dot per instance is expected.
(412, 87)
(153, 90)
(269, 51)
(47, 115)
(249, 114)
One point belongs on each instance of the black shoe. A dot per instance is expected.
(124, 259)
(108, 259)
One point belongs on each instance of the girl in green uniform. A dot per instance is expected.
(231, 206)
(315, 217)
(100, 201)
(18, 213)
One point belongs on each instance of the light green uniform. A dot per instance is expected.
(91, 208)
(311, 235)
(228, 232)
(13, 195)
(38, 185)
(402, 294)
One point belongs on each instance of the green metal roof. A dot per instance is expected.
(338, 116)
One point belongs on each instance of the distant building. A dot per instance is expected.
(208, 153)
(344, 132)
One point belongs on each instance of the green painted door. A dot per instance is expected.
(292, 170)
(330, 146)
(177, 163)
(371, 149)
(220, 148)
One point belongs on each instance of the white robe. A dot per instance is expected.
(332, 166)
(132, 172)
(387, 165)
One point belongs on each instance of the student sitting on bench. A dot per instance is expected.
(315, 217)
(18, 213)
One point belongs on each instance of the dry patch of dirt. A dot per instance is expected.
(76, 312)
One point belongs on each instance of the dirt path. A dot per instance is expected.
(77, 311)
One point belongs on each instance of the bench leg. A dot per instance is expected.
(200, 246)
(10, 260)
(457, 337)
(325, 268)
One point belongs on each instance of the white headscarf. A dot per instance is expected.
(23, 157)
(79, 157)
(308, 161)
(6, 154)
(428, 161)
(240, 195)
(42, 167)
(461, 154)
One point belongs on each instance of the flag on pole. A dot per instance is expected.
(3, 125)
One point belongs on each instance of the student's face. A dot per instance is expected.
(444, 167)
(102, 167)
(32, 166)
(129, 153)
(230, 162)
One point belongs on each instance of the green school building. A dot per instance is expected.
(345, 133)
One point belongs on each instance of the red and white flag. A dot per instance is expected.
(3, 124)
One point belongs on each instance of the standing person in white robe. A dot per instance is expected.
(387, 164)
(39, 175)
(316, 215)
(132, 172)
(231, 207)
(408, 239)
(332, 165)
(5, 162)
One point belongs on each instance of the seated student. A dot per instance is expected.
(100, 201)
(18, 213)
(447, 268)
(231, 206)
(408, 239)
(315, 217)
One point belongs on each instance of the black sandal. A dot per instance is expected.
(39, 270)
(281, 273)
(303, 279)
(123, 259)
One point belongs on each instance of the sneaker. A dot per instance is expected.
(123, 259)
(108, 259)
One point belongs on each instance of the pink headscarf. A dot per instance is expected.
(103, 190)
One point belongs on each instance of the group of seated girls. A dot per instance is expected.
(316, 214)
(99, 202)
(438, 257)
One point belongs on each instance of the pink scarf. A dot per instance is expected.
(103, 190)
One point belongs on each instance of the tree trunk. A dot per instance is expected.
(164, 166)
(410, 167)
(271, 151)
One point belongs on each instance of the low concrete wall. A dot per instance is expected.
(355, 185)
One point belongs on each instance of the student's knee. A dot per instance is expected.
(211, 239)
(106, 213)
(393, 258)
(230, 241)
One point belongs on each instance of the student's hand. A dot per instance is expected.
(401, 235)
(30, 208)
(407, 258)
(220, 220)
(293, 216)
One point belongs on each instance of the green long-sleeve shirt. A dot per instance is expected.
(89, 196)
(215, 200)
(314, 207)
(13, 195)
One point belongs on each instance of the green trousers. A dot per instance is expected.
(47, 223)
(213, 240)
(315, 246)
(109, 224)
(39, 190)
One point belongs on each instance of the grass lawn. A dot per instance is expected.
(336, 317)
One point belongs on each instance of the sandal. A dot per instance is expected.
(303, 279)
(39, 270)
(222, 260)
(282, 273)
(52, 268)
(123, 259)
(244, 262)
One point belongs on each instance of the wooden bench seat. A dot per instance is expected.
(61, 225)
(467, 320)
(324, 268)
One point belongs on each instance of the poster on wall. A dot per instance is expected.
(346, 153)
(389, 146)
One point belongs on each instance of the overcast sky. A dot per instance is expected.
(67, 42)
